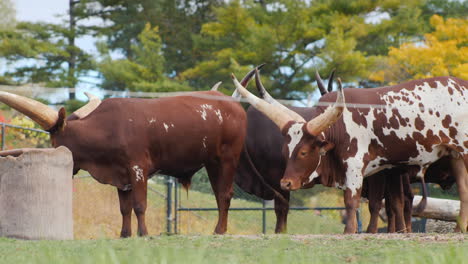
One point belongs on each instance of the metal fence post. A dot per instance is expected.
(176, 206)
(169, 204)
(263, 217)
(3, 136)
(424, 220)
(359, 222)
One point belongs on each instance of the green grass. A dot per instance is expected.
(229, 249)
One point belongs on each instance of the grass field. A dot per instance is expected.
(243, 249)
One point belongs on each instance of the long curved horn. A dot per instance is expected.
(216, 86)
(276, 115)
(267, 97)
(85, 110)
(246, 81)
(320, 84)
(40, 113)
(330, 80)
(330, 116)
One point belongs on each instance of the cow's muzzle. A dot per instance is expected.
(289, 185)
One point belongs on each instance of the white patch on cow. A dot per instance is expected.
(152, 120)
(375, 166)
(363, 136)
(295, 133)
(315, 174)
(138, 173)
(218, 114)
(339, 186)
(130, 120)
(204, 141)
(172, 125)
(202, 112)
(166, 127)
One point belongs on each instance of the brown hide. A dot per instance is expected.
(123, 141)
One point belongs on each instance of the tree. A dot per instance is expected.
(46, 53)
(143, 73)
(7, 14)
(40, 51)
(177, 20)
(294, 38)
(443, 52)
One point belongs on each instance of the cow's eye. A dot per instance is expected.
(303, 153)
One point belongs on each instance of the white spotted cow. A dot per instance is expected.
(413, 123)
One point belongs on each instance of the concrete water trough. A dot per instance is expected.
(36, 193)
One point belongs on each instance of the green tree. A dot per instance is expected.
(177, 20)
(143, 73)
(7, 14)
(46, 53)
(40, 51)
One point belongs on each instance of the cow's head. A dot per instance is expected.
(48, 118)
(304, 145)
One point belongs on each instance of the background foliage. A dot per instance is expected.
(178, 45)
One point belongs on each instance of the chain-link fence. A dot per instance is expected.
(175, 210)
(195, 211)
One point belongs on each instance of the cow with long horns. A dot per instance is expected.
(262, 165)
(414, 123)
(122, 141)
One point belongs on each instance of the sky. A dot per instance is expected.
(42, 10)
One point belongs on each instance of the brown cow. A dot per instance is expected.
(395, 186)
(122, 141)
(413, 123)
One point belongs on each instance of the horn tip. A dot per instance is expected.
(261, 66)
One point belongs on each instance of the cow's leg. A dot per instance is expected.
(139, 204)
(352, 204)
(375, 193)
(396, 201)
(221, 177)
(281, 211)
(459, 169)
(125, 200)
(409, 196)
(390, 216)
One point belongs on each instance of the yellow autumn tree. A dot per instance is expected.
(443, 52)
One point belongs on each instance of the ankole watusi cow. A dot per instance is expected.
(262, 165)
(121, 141)
(414, 123)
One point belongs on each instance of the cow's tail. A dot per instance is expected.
(422, 204)
(260, 177)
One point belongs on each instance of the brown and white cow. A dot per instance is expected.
(413, 123)
(122, 141)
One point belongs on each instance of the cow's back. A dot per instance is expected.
(176, 134)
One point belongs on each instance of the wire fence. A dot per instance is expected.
(316, 210)
(195, 211)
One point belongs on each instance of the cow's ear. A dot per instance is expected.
(325, 146)
(62, 114)
(61, 122)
